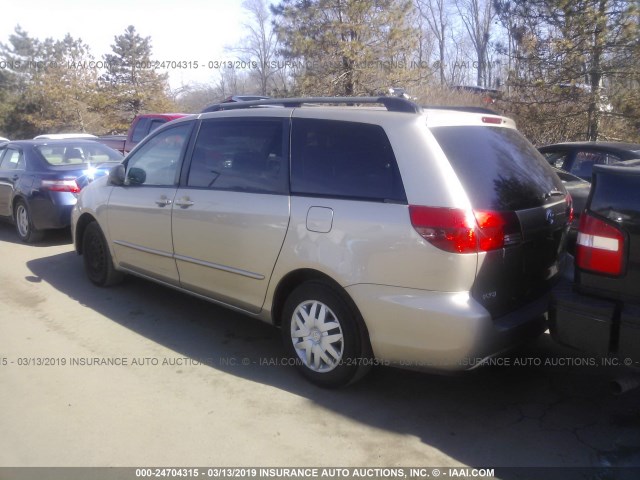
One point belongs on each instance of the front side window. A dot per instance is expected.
(157, 162)
(345, 160)
(245, 155)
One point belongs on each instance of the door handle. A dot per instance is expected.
(184, 202)
(163, 201)
(15, 178)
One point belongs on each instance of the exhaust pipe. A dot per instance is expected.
(624, 384)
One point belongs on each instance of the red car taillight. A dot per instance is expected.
(60, 186)
(449, 229)
(570, 212)
(458, 231)
(497, 229)
(600, 246)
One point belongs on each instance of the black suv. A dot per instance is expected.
(599, 311)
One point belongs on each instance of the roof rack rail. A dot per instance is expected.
(393, 104)
(459, 108)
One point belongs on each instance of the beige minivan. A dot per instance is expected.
(420, 237)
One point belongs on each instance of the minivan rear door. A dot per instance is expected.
(503, 173)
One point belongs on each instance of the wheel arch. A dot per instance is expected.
(18, 198)
(81, 225)
(294, 279)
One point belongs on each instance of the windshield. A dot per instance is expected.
(74, 153)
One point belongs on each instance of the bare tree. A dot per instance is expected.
(436, 14)
(260, 45)
(477, 16)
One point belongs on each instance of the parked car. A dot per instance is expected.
(141, 126)
(579, 191)
(2, 139)
(424, 239)
(40, 181)
(598, 310)
(488, 95)
(579, 158)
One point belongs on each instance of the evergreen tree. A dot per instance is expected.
(51, 86)
(348, 47)
(131, 83)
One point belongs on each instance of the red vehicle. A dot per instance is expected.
(141, 126)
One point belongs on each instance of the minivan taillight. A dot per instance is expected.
(600, 246)
(460, 231)
(497, 229)
(60, 186)
(449, 229)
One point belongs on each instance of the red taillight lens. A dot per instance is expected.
(570, 212)
(458, 231)
(494, 120)
(449, 229)
(60, 186)
(600, 246)
(497, 229)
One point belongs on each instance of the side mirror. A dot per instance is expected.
(136, 176)
(117, 175)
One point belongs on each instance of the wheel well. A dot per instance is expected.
(81, 226)
(289, 283)
(16, 200)
(296, 278)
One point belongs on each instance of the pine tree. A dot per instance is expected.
(347, 47)
(131, 82)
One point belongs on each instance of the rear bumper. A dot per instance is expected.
(52, 209)
(438, 330)
(595, 325)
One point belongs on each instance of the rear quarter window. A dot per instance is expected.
(498, 167)
(345, 160)
(617, 196)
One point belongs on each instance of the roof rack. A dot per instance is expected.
(393, 104)
(458, 108)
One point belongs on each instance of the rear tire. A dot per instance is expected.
(321, 334)
(97, 258)
(24, 224)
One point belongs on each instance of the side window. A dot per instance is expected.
(245, 155)
(140, 130)
(12, 160)
(556, 159)
(612, 159)
(157, 162)
(343, 159)
(155, 123)
(585, 160)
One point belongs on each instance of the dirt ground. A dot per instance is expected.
(140, 375)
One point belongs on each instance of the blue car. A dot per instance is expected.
(40, 181)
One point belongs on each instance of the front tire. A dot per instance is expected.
(321, 334)
(24, 224)
(97, 258)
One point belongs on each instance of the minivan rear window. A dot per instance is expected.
(498, 167)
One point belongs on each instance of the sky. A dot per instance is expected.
(180, 30)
